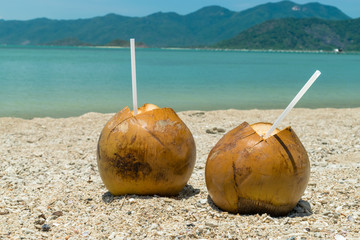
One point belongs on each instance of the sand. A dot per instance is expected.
(50, 186)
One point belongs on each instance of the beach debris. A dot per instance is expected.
(107, 197)
(57, 214)
(45, 228)
(26, 231)
(339, 237)
(211, 224)
(202, 201)
(302, 208)
(190, 225)
(4, 212)
(197, 114)
(350, 218)
(40, 221)
(215, 130)
(188, 191)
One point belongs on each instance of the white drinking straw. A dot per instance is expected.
(133, 74)
(293, 102)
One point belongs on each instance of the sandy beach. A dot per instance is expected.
(50, 186)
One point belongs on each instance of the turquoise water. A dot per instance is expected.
(62, 82)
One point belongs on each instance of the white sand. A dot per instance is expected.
(50, 186)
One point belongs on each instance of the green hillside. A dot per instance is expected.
(204, 27)
(298, 34)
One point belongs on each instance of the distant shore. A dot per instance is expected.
(191, 48)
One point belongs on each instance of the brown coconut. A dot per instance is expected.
(247, 174)
(150, 153)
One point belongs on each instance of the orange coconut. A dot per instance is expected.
(246, 173)
(150, 153)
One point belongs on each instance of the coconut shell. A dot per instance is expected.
(247, 174)
(150, 153)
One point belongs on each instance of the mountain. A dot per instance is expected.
(201, 28)
(298, 34)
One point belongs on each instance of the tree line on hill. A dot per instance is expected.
(281, 25)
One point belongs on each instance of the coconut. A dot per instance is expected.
(248, 174)
(152, 152)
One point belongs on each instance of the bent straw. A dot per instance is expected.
(293, 102)
(133, 74)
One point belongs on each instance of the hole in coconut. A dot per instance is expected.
(261, 128)
(145, 108)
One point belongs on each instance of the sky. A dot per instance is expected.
(75, 9)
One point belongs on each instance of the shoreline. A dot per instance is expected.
(188, 48)
(49, 177)
(179, 112)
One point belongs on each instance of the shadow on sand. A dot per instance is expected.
(302, 209)
(187, 192)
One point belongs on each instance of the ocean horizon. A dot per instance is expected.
(70, 81)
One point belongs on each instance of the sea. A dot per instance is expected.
(47, 81)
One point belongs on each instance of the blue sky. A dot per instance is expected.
(74, 9)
